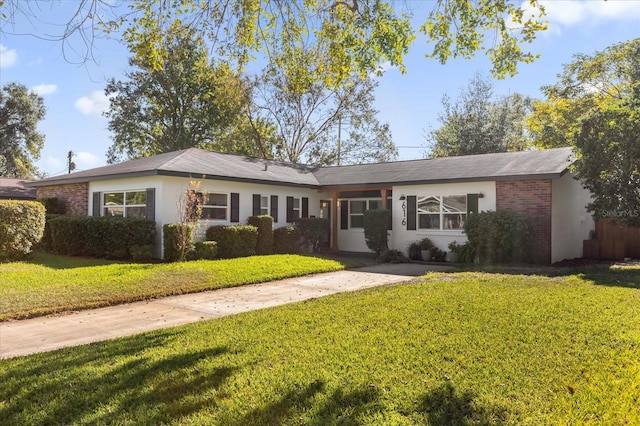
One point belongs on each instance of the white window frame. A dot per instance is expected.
(442, 212)
(366, 207)
(295, 209)
(265, 210)
(124, 206)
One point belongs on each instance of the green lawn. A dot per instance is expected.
(461, 348)
(48, 284)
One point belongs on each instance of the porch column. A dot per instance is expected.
(334, 222)
(384, 193)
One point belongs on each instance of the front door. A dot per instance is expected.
(325, 213)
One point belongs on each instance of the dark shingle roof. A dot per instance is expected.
(201, 164)
(507, 165)
(14, 189)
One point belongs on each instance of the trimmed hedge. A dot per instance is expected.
(177, 239)
(264, 224)
(21, 227)
(376, 233)
(499, 237)
(206, 250)
(313, 230)
(234, 241)
(287, 240)
(107, 237)
(46, 242)
(53, 205)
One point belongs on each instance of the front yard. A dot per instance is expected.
(460, 348)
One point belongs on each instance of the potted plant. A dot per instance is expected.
(426, 249)
(452, 254)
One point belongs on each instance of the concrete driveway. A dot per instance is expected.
(52, 332)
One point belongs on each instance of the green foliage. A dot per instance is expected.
(477, 123)
(52, 205)
(20, 141)
(109, 237)
(376, 230)
(393, 256)
(466, 253)
(22, 225)
(207, 250)
(414, 250)
(426, 244)
(264, 224)
(46, 243)
(499, 237)
(286, 240)
(49, 283)
(187, 102)
(235, 240)
(141, 253)
(178, 241)
(313, 230)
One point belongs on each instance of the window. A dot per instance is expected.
(295, 210)
(442, 212)
(212, 206)
(125, 204)
(357, 209)
(264, 205)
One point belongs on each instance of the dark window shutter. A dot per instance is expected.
(344, 214)
(274, 208)
(412, 212)
(150, 212)
(472, 203)
(390, 208)
(235, 207)
(305, 207)
(289, 209)
(97, 204)
(256, 204)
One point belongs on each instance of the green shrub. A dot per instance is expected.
(108, 237)
(141, 253)
(52, 205)
(206, 250)
(264, 224)
(499, 237)
(46, 242)
(21, 227)
(313, 230)
(393, 256)
(466, 253)
(234, 241)
(287, 240)
(376, 234)
(177, 239)
(414, 251)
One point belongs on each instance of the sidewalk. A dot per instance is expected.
(48, 333)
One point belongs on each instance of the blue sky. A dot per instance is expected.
(410, 103)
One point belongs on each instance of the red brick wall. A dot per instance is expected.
(73, 196)
(533, 198)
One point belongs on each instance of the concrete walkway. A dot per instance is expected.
(48, 333)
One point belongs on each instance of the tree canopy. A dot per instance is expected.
(20, 141)
(361, 34)
(477, 123)
(188, 102)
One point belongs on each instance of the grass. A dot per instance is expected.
(49, 284)
(461, 348)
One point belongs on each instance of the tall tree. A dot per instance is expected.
(20, 141)
(362, 33)
(320, 125)
(476, 123)
(188, 102)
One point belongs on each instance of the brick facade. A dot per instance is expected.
(532, 198)
(74, 197)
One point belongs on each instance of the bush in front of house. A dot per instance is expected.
(177, 239)
(46, 241)
(106, 237)
(52, 204)
(264, 223)
(376, 233)
(313, 230)
(21, 227)
(287, 240)
(234, 240)
(207, 250)
(499, 237)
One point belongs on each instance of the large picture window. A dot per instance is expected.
(438, 212)
(357, 209)
(208, 206)
(125, 204)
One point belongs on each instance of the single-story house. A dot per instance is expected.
(427, 198)
(15, 189)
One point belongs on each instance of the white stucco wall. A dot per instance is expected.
(570, 221)
(401, 237)
(170, 189)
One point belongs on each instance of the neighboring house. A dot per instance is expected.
(14, 189)
(428, 198)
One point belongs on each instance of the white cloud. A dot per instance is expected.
(86, 160)
(95, 104)
(45, 89)
(566, 13)
(8, 57)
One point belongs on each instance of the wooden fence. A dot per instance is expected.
(613, 242)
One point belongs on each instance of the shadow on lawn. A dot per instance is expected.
(445, 405)
(80, 386)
